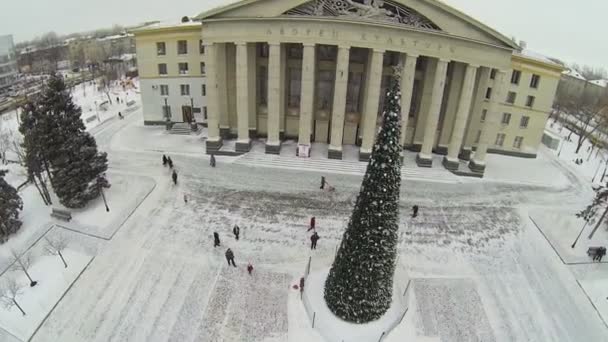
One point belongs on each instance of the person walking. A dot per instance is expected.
(230, 257)
(322, 182)
(120, 116)
(249, 268)
(216, 239)
(312, 224)
(236, 231)
(164, 160)
(174, 177)
(185, 199)
(313, 241)
(212, 161)
(415, 211)
(170, 162)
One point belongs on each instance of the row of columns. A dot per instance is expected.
(372, 85)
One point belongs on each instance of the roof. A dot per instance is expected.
(574, 73)
(159, 25)
(602, 83)
(536, 56)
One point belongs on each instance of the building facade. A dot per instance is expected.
(317, 71)
(8, 62)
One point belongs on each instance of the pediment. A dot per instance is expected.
(428, 15)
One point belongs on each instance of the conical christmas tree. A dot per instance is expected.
(359, 286)
(10, 205)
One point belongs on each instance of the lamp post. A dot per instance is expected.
(596, 171)
(167, 115)
(579, 234)
(561, 147)
(103, 196)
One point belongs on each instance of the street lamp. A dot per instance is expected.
(579, 234)
(561, 147)
(103, 196)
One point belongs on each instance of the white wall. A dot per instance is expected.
(153, 101)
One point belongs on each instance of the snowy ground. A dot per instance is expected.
(480, 269)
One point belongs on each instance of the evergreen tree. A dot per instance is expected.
(359, 286)
(10, 205)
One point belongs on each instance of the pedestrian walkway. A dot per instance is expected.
(408, 172)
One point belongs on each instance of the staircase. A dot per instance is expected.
(182, 128)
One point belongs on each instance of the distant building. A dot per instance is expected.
(574, 84)
(8, 64)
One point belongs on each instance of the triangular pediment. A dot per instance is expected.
(429, 15)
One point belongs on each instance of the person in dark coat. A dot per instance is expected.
(313, 221)
(236, 230)
(322, 183)
(230, 257)
(170, 162)
(185, 199)
(415, 211)
(174, 177)
(212, 161)
(302, 284)
(313, 240)
(216, 239)
(164, 160)
(120, 116)
(249, 268)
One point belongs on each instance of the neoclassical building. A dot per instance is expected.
(317, 71)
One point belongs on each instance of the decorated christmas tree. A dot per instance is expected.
(10, 205)
(359, 286)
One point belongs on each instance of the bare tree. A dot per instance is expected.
(5, 143)
(23, 263)
(591, 114)
(8, 294)
(56, 246)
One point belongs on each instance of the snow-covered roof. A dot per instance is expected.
(167, 24)
(116, 36)
(601, 83)
(536, 56)
(574, 73)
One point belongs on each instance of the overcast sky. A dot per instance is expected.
(574, 31)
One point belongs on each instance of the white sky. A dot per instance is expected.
(574, 31)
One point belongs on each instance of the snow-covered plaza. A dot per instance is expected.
(480, 268)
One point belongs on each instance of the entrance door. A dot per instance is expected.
(187, 113)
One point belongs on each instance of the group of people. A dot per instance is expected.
(599, 254)
(236, 230)
(168, 161)
(578, 161)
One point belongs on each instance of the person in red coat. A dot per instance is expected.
(312, 224)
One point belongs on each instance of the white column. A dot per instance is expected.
(425, 157)
(214, 142)
(273, 143)
(408, 74)
(478, 162)
(307, 94)
(339, 107)
(372, 101)
(242, 96)
(462, 116)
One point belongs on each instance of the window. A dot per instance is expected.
(205, 112)
(263, 85)
(294, 86)
(167, 112)
(515, 76)
(161, 49)
(500, 139)
(478, 137)
(204, 90)
(294, 51)
(534, 81)
(162, 69)
(185, 89)
(530, 101)
(489, 93)
(353, 92)
(511, 97)
(327, 52)
(325, 87)
(182, 47)
(164, 90)
(523, 123)
(506, 118)
(201, 47)
(493, 74)
(483, 115)
(517, 142)
(263, 50)
(183, 68)
(202, 68)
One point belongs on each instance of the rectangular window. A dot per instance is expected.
(534, 81)
(489, 93)
(162, 69)
(353, 92)
(202, 68)
(294, 86)
(500, 139)
(517, 142)
(201, 47)
(182, 47)
(185, 89)
(204, 90)
(205, 112)
(478, 137)
(164, 90)
(263, 85)
(511, 97)
(493, 74)
(161, 48)
(483, 115)
(523, 123)
(167, 112)
(183, 68)
(530, 101)
(263, 50)
(506, 118)
(515, 77)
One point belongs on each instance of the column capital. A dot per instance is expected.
(309, 44)
(207, 43)
(274, 43)
(412, 55)
(444, 60)
(344, 47)
(376, 50)
(240, 43)
(473, 66)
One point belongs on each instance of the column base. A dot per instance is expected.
(424, 161)
(465, 154)
(477, 167)
(213, 145)
(450, 164)
(273, 148)
(364, 155)
(334, 154)
(243, 146)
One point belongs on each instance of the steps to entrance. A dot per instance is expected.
(183, 129)
(257, 159)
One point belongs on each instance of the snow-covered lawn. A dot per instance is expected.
(140, 138)
(53, 282)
